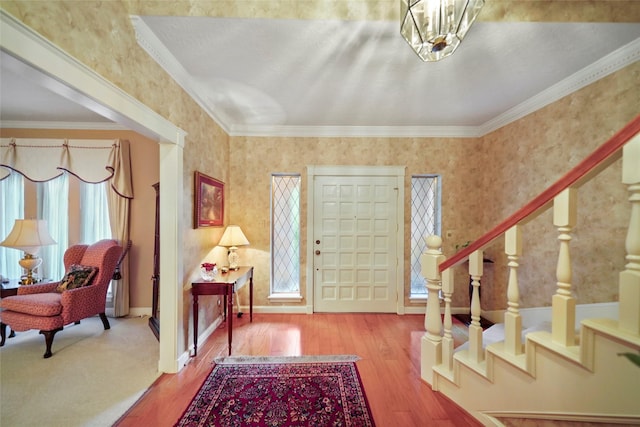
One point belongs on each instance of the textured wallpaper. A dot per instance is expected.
(484, 180)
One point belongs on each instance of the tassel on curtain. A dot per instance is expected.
(91, 161)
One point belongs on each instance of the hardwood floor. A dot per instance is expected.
(388, 345)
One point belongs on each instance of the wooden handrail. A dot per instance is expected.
(597, 161)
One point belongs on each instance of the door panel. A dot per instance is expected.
(355, 234)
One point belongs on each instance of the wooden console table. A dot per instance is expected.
(223, 284)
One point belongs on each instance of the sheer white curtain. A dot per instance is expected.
(94, 212)
(53, 206)
(94, 218)
(12, 208)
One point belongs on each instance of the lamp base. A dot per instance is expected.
(233, 258)
(28, 280)
(29, 263)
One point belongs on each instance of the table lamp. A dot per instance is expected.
(29, 235)
(232, 238)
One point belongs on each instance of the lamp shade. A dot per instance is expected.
(28, 235)
(233, 236)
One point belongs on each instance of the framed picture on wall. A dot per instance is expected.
(209, 201)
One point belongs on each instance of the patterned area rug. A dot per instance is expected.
(291, 391)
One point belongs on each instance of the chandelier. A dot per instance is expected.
(435, 28)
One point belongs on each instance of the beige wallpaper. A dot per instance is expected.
(253, 160)
(494, 10)
(482, 179)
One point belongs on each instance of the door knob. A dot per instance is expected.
(317, 242)
(317, 252)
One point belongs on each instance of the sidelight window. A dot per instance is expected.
(285, 235)
(425, 221)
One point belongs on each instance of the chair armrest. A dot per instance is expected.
(38, 288)
(80, 303)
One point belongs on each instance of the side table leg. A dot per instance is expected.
(230, 317)
(195, 325)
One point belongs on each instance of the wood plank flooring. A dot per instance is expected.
(388, 345)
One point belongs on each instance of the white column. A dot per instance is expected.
(431, 344)
(563, 303)
(172, 319)
(512, 318)
(630, 278)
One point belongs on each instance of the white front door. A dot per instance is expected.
(355, 244)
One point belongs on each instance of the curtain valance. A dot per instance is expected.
(90, 160)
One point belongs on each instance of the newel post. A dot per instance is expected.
(629, 280)
(431, 345)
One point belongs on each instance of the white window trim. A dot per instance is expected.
(285, 297)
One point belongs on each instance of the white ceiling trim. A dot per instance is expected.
(357, 131)
(615, 61)
(158, 51)
(18, 124)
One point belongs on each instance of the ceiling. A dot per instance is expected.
(353, 78)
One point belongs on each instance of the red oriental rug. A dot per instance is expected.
(279, 392)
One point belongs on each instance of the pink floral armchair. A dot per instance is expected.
(48, 307)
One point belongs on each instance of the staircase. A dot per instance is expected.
(553, 371)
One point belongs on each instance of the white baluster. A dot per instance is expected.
(431, 345)
(512, 318)
(447, 340)
(563, 304)
(476, 352)
(630, 278)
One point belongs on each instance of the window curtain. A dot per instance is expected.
(92, 161)
(12, 208)
(53, 206)
(119, 199)
(94, 212)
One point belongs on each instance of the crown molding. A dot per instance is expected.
(616, 60)
(18, 124)
(609, 64)
(356, 131)
(151, 44)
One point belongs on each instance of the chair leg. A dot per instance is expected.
(105, 321)
(48, 339)
(3, 333)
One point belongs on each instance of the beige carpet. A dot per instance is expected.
(93, 377)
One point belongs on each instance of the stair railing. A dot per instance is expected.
(437, 342)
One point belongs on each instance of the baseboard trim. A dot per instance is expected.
(302, 309)
(605, 419)
(139, 311)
